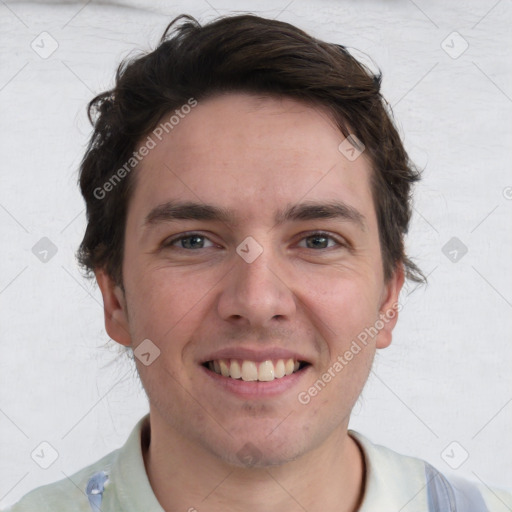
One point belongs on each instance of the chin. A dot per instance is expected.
(253, 451)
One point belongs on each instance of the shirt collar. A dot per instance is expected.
(133, 488)
(393, 482)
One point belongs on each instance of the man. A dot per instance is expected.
(247, 197)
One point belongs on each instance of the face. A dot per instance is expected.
(254, 281)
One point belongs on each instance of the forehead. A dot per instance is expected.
(252, 155)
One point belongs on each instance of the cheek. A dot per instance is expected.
(344, 305)
(154, 305)
(167, 306)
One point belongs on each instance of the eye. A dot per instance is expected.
(189, 241)
(317, 240)
(320, 239)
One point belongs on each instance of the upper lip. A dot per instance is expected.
(257, 355)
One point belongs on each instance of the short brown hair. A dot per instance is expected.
(242, 53)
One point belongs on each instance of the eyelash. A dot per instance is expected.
(169, 243)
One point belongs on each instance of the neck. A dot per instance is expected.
(184, 476)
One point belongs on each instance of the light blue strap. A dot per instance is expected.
(440, 494)
(95, 488)
(458, 496)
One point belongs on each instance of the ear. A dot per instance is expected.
(388, 311)
(114, 306)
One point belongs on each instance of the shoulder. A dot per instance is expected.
(117, 481)
(497, 500)
(68, 494)
(399, 482)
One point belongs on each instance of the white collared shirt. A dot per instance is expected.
(118, 483)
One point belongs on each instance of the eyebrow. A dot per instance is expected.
(187, 210)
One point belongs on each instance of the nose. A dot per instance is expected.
(258, 291)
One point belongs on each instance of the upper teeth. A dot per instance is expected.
(250, 371)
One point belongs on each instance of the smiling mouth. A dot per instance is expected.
(252, 371)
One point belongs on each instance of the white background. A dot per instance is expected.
(447, 376)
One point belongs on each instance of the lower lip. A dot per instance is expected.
(256, 389)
